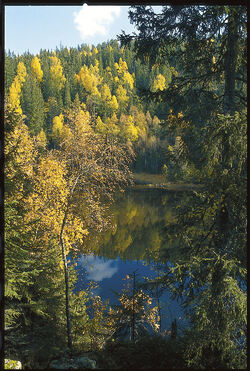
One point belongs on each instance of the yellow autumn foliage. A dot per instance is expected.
(100, 126)
(21, 72)
(36, 69)
(128, 129)
(159, 83)
(75, 230)
(122, 66)
(15, 88)
(57, 126)
(19, 152)
(128, 79)
(89, 79)
(112, 127)
(124, 75)
(113, 104)
(56, 72)
(105, 93)
(41, 139)
(50, 192)
(121, 95)
(14, 95)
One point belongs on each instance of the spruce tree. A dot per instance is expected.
(33, 105)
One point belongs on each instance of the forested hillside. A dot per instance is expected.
(106, 82)
(79, 122)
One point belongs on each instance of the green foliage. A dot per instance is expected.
(32, 280)
(103, 80)
(211, 275)
(201, 48)
(33, 103)
(88, 102)
(209, 146)
(134, 314)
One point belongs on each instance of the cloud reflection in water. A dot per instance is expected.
(98, 269)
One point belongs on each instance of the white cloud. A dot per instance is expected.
(95, 20)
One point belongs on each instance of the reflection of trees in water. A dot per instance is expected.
(138, 226)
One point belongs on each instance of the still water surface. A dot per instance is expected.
(135, 243)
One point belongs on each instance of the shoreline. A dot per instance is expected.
(157, 181)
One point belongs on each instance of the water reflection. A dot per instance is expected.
(136, 240)
(113, 281)
(138, 226)
(97, 269)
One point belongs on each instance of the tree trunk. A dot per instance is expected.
(174, 330)
(231, 62)
(66, 275)
(133, 310)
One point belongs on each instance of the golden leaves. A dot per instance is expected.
(121, 95)
(113, 104)
(128, 130)
(159, 83)
(50, 192)
(89, 78)
(125, 76)
(36, 69)
(21, 72)
(15, 88)
(41, 140)
(14, 95)
(57, 126)
(19, 152)
(56, 72)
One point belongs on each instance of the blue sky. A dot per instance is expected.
(47, 27)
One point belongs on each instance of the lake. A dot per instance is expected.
(135, 242)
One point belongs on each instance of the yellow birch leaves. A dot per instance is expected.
(125, 77)
(56, 72)
(108, 101)
(89, 78)
(159, 83)
(36, 69)
(57, 127)
(19, 151)
(15, 88)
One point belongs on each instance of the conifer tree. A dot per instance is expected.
(9, 71)
(67, 95)
(33, 105)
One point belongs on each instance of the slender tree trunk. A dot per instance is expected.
(66, 272)
(133, 310)
(231, 63)
(66, 275)
(174, 329)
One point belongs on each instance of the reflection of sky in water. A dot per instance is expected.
(140, 218)
(97, 269)
(110, 274)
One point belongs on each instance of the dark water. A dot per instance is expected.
(135, 242)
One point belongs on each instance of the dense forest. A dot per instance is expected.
(79, 122)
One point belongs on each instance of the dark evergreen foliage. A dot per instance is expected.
(175, 94)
